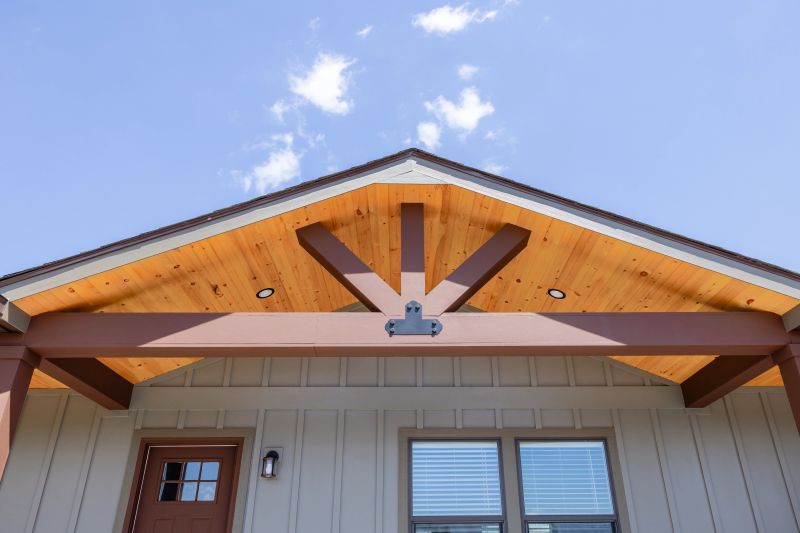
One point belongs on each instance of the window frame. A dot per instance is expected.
(527, 519)
(512, 503)
(501, 519)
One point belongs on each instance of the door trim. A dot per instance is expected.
(134, 481)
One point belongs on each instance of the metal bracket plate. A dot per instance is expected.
(413, 323)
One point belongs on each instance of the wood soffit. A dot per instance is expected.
(222, 273)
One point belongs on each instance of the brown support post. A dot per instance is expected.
(412, 250)
(479, 268)
(721, 376)
(16, 368)
(349, 270)
(788, 360)
(91, 378)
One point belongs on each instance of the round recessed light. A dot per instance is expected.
(265, 293)
(556, 293)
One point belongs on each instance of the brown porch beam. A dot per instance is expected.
(16, 368)
(92, 379)
(478, 268)
(89, 335)
(788, 361)
(412, 252)
(721, 376)
(349, 270)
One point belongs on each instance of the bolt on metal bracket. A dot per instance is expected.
(413, 323)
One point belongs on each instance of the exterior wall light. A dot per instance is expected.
(269, 464)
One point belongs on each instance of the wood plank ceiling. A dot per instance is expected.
(223, 273)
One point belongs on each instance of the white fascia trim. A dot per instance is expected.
(390, 173)
(617, 230)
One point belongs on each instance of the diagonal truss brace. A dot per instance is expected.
(377, 295)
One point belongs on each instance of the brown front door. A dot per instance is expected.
(185, 489)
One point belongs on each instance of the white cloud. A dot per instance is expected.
(313, 24)
(449, 19)
(325, 84)
(464, 115)
(466, 72)
(428, 134)
(364, 32)
(279, 108)
(494, 168)
(282, 165)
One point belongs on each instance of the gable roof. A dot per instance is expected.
(408, 166)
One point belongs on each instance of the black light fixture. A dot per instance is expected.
(265, 293)
(269, 464)
(556, 293)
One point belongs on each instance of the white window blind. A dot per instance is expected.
(455, 478)
(565, 478)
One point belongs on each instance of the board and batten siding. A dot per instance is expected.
(732, 467)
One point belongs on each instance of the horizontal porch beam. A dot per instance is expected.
(89, 335)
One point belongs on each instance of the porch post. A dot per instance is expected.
(16, 368)
(788, 360)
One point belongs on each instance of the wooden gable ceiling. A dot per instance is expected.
(222, 273)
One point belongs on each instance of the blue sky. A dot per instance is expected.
(121, 117)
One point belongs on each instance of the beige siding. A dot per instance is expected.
(734, 467)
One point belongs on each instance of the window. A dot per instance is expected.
(566, 487)
(455, 487)
(188, 481)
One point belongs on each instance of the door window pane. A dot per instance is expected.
(455, 479)
(168, 492)
(210, 471)
(172, 471)
(189, 492)
(565, 478)
(191, 471)
(207, 491)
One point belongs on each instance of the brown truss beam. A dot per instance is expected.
(91, 378)
(788, 361)
(479, 268)
(721, 376)
(16, 368)
(349, 270)
(89, 335)
(412, 249)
